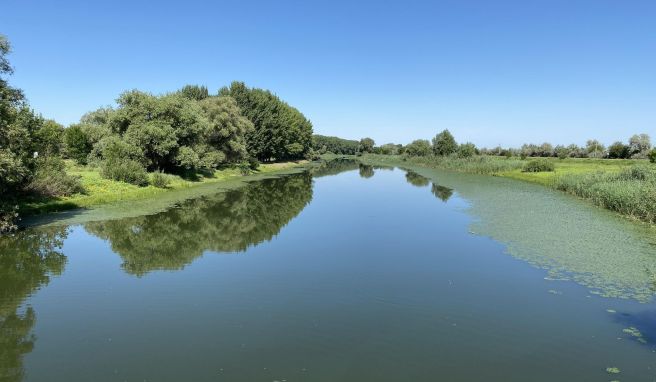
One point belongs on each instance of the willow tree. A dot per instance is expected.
(280, 130)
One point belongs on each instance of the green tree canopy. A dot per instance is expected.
(366, 145)
(280, 131)
(444, 144)
(418, 148)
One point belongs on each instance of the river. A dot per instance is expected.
(348, 272)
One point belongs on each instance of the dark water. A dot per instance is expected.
(353, 273)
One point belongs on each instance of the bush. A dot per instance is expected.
(125, 170)
(652, 156)
(51, 180)
(539, 165)
(244, 168)
(159, 179)
(253, 163)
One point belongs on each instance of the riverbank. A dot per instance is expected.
(99, 191)
(627, 187)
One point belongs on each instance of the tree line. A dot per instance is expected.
(187, 131)
(444, 144)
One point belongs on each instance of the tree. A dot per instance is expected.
(467, 150)
(418, 148)
(595, 149)
(652, 156)
(444, 144)
(618, 150)
(76, 144)
(366, 145)
(228, 127)
(639, 146)
(280, 131)
(335, 145)
(194, 92)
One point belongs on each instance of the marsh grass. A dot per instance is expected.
(631, 191)
(624, 186)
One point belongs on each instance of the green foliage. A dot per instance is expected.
(538, 165)
(51, 180)
(159, 179)
(228, 128)
(49, 138)
(652, 156)
(390, 149)
(618, 150)
(467, 150)
(639, 146)
(630, 191)
(323, 144)
(194, 92)
(418, 148)
(76, 144)
(228, 221)
(366, 145)
(125, 170)
(280, 131)
(444, 144)
(416, 179)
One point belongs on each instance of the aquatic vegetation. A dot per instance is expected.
(613, 370)
(538, 165)
(610, 255)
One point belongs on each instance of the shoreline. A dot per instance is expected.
(546, 180)
(138, 201)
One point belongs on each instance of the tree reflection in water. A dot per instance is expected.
(225, 222)
(27, 261)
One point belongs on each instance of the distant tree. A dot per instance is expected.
(546, 150)
(335, 145)
(618, 150)
(639, 146)
(562, 152)
(418, 148)
(595, 149)
(652, 156)
(366, 145)
(76, 144)
(389, 149)
(444, 144)
(194, 92)
(467, 150)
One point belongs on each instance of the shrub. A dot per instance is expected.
(652, 156)
(159, 179)
(538, 165)
(125, 170)
(244, 168)
(253, 163)
(51, 180)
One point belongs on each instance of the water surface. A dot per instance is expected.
(352, 273)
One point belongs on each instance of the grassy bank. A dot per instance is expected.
(624, 186)
(99, 191)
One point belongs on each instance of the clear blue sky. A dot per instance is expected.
(493, 72)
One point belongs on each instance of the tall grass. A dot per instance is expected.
(474, 165)
(631, 192)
